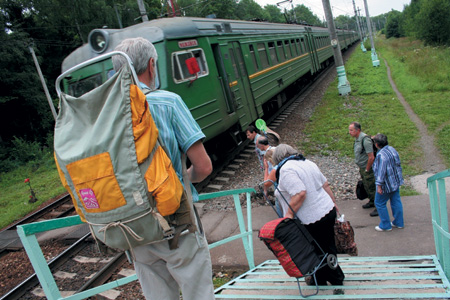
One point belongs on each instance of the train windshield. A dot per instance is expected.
(90, 77)
(82, 86)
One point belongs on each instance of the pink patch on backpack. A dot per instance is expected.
(89, 199)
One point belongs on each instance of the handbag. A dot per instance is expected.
(361, 193)
(344, 237)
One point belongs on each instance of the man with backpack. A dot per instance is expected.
(162, 271)
(364, 158)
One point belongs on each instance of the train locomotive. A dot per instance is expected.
(228, 72)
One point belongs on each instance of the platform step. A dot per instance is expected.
(400, 277)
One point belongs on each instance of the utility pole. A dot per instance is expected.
(363, 28)
(343, 84)
(359, 28)
(44, 85)
(142, 11)
(375, 61)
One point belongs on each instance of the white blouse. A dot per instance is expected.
(297, 176)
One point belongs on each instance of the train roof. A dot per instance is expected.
(179, 27)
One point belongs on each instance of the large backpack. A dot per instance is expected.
(114, 166)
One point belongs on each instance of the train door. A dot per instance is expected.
(311, 43)
(237, 82)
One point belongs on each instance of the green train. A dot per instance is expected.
(243, 70)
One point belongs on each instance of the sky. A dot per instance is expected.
(343, 7)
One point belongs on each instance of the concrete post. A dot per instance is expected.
(343, 84)
(375, 61)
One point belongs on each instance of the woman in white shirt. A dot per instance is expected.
(308, 193)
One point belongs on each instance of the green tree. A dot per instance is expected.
(344, 22)
(249, 10)
(434, 22)
(305, 16)
(273, 14)
(393, 24)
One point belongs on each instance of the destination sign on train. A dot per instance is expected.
(188, 43)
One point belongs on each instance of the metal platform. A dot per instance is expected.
(399, 277)
(395, 277)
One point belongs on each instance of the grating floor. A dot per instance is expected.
(400, 277)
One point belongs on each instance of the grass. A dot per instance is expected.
(14, 192)
(371, 103)
(422, 76)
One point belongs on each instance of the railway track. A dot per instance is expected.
(112, 264)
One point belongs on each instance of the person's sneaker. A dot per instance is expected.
(374, 213)
(399, 227)
(377, 228)
(368, 205)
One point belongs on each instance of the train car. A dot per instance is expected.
(244, 68)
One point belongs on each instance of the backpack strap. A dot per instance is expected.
(182, 222)
(292, 157)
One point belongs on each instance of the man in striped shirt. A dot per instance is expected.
(388, 179)
(162, 271)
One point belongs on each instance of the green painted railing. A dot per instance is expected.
(439, 218)
(27, 234)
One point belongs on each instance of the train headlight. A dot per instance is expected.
(99, 40)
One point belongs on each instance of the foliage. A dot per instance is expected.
(305, 16)
(273, 14)
(249, 10)
(393, 28)
(434, 13)
(426, 20)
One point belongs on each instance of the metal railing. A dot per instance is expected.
(27, 234)
(439, 218)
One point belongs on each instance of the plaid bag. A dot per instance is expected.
(344, 237)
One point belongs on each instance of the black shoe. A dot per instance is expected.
(368, 205)
(338, 292)
(374, 213)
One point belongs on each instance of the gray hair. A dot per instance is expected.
(381, 140)
(140, 52)
(281, 152)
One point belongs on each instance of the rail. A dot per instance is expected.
(27, 234)
(439, 218)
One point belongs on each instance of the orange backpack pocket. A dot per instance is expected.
(163, 183)
(95, 183)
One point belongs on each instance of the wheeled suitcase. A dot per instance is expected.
(297, 251)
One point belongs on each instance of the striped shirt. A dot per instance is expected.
(388, 170)
(176, 125)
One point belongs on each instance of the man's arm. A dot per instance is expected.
(370, 161)
(201, 163)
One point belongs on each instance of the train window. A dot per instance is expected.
(272, 52)
(233, 62)
(180, 69)
(281, 52)
(253, 55)
(288, 49)
(82, 86)
(299, 47)
(263, 55)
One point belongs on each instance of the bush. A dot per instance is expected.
(20, 153)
